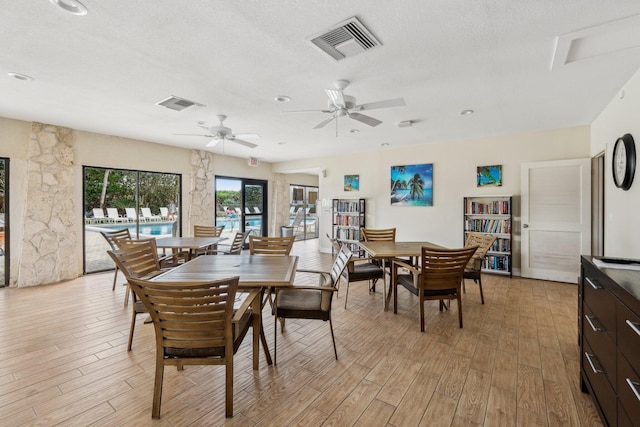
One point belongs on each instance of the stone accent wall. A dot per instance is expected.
(50, 238)
(280, 206)
(201, 197)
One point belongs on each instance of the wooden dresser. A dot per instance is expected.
(609, 335)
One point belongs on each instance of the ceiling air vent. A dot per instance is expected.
(177, 104)
(345, 39)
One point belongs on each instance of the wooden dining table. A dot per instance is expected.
(384, 250)
(192, 244)
(255, 272)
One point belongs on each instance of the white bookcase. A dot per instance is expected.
(348, 217)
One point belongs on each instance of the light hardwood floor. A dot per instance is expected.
(63, 361)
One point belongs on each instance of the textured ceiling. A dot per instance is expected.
(105, 71)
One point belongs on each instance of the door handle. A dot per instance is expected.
(525, 225)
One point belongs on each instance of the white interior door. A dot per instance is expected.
(555, 218)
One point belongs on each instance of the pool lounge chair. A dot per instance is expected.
(112, 213)
(131, 214)
(148, 216)
(256, 210)
(98, 215)
(164, 213)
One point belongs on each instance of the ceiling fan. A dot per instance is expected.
(223, 133)
(341, 105)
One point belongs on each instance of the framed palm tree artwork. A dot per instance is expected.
(412, 185)
(489, 176)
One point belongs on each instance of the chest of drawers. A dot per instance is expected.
(609, 335)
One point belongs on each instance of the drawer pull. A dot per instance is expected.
(634, 326)
(634, 387)
(589, 320)
(593, 285)
(593, 367)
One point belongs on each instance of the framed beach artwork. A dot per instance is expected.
(351, 182)
(412, 185)
(489, 176)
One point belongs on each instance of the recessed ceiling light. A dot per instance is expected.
(384, 144)
(282, 98)
(466, 112)
(354, 131)
(281, 143)
(71, 6)
(20, 76)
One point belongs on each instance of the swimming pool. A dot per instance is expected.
(148, 228)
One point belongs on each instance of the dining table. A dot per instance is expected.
(192, 244)
(384, 250)
(255, 272)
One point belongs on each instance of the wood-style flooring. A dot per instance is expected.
(63, 361)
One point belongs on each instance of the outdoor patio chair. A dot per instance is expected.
(164, 213)
(131, 214)
(112, 213)
(98, 215)
(148, 216)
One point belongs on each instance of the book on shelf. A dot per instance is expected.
(497, 207)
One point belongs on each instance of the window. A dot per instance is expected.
(147, 203)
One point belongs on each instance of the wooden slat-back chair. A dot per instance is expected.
(207, 231)
(193, 326)
(235, 248)
(438, 277)
(111, 237)
(358, 270)
(474, 266)
(137, 259)
(376, 235)
(261, 245)
(310, 302)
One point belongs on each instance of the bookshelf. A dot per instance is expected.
(492, 215)
(348, 217)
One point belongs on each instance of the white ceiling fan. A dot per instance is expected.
(222, 133)
(341, 105)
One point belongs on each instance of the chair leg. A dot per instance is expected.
(126, 294)
(228, 393)
(464, 288)
(459, 309)
(157, 387)
(346, 296)
(275, 341)
(115, 278)
(335, 351)
(422, 314)
(133, 325)
(480, 286)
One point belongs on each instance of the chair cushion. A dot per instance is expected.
(406, 281)
(299, 299)
(366, 271)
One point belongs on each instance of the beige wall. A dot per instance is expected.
(621, 228)
(454, 170)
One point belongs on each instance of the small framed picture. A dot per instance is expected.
(352, 183)
(489, 176)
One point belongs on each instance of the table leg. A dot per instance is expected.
(258, 332)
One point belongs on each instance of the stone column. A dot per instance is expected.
(280, 204)
(201, 197)
(50, 229)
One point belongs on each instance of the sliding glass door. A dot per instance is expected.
(241, 205)
(4, 222)
(146, 203)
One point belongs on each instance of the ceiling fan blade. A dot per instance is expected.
(193, 134)
(213, 142)
(246, 135)
(397, 102)
(336, 97)
(308, 111)
(245, 143)
(364, 119)
(324, 123)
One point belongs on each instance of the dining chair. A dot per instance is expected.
(207, 231)
(137, 259)
(262, 245)
(236, 246)
(379, 235)
(310, 302)
(438, 276)
(193, 326)
(111, 237)
(473, 268)
(358, 270)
